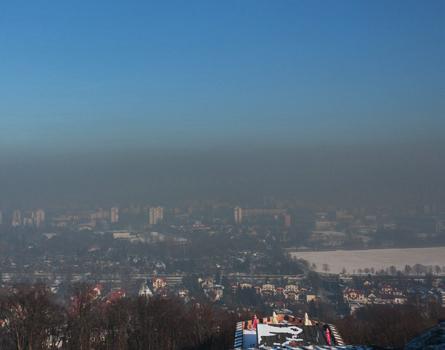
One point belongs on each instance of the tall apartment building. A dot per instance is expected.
(155, 215)
(16, 218)
(114, 215)
(39, 217)
(243, 213)
(238, 215)
(287, 220)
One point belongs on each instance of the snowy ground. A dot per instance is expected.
(353, 260)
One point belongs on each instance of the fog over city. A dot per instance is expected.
(335, 103)
(255, 174)
(355, 174)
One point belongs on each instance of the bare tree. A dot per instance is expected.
(84, 315)
(325, 267)
(32, 319)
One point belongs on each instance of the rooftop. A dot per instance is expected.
(283, 331)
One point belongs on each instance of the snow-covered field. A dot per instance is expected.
(353, 260)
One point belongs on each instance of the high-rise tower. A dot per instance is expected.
(155, 215)
(238, 215)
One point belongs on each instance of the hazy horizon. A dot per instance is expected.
(222, 174)
(110, 100)
(343, 175)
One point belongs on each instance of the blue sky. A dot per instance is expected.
(92, 75)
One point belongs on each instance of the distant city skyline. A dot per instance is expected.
(107, 102)
(166, 165)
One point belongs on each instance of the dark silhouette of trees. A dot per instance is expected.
(325, 267)
(321, 311)
(314, 280)
(30, 319)
(248, 297)
(84, 328)
(116, 324)
(169, 324)
(386, 325)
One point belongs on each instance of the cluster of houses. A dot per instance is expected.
(94, 293)
(213, 291)
(287, 293)
(161, 286)
(356, 298)
(268, 291)
(393, 293)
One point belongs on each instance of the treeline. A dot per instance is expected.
(32, 318)
(408, 270)
(388, 325)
